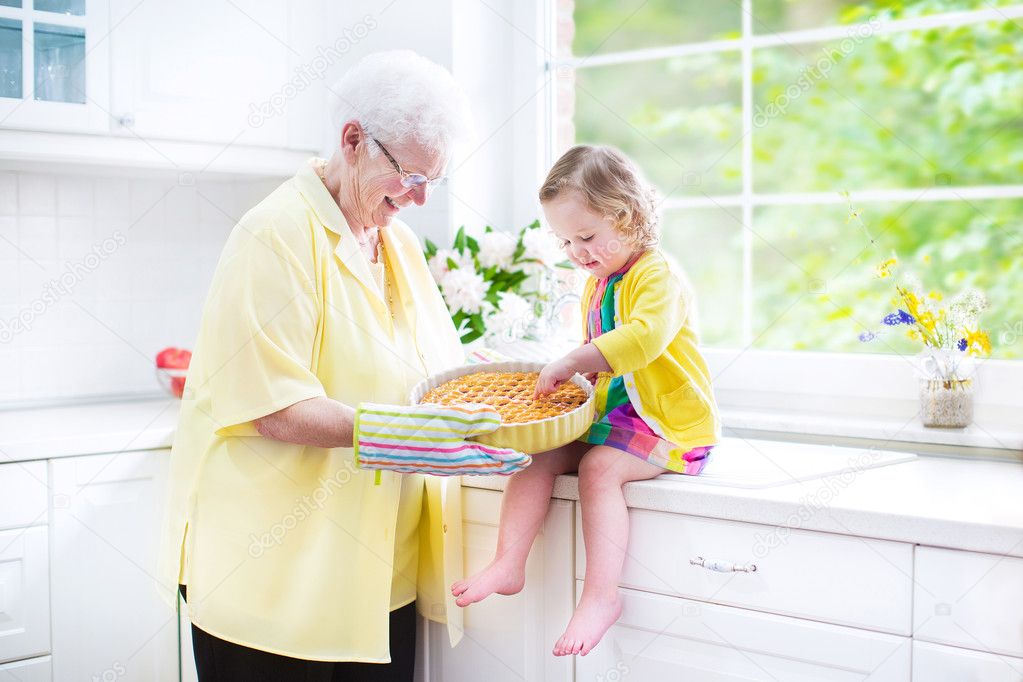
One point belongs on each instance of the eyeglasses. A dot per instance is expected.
(409, 180)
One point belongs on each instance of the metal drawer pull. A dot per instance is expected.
(723, 566)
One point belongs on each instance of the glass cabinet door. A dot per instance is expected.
(51, 75)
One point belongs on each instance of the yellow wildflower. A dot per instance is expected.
(978, 342)
(884, 270)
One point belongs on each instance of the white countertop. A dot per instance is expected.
(968, 503)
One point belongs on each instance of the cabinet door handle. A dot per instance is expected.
(723, 566)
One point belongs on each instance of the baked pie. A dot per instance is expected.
(510, 393)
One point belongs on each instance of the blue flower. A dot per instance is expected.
(961, 345)
(897, 318)
(867, 336)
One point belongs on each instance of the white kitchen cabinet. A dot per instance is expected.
(970, 600)
(839, 579)
(24, 593)
(510, 637)
(54, 66)
(938, 663)
(662, 638)
(30, 670)
(233, 73)
(108, 620)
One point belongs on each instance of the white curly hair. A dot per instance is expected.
(397, 96)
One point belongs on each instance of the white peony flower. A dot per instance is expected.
(541, 246)
(464, 290)
(439, 263)
(512, 317)
(496, 249)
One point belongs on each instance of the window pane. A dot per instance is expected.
(714, 267)
(10, 58)
(772, 16)
(910, 109)
(616, 25)
(10, 3)
(814, 286)
(678, 118)
(76, 7)
(60, 63)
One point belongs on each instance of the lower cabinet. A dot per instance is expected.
(29, 670)
(24, 594)
(661, 638)
(108, 621)
(508, 638)
(940, 663)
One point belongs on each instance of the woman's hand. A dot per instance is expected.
(553, 375)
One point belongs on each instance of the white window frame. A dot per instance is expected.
(852, 385)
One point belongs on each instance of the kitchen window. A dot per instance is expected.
(752, 117)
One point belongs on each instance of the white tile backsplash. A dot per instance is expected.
(98, 274)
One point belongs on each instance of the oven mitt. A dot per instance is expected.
(431, 439)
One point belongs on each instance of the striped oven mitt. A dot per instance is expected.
(431, 439)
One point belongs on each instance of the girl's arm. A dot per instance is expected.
(585, 359)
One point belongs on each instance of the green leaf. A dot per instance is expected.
(487, 229)
(460, 240)
(471, 336)
(431, 249)
(452, 264)
(474, 245)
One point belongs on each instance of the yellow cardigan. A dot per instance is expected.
(289, 548)
(654, 348)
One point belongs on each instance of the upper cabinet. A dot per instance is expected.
(226, 72)
(225, 86)
(54, 64)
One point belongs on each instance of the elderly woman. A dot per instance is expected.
(294, 563)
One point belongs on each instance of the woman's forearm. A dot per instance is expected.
(320, 422)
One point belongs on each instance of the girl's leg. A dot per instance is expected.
(602, 473)
(526, 499)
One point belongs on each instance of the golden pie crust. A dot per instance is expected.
(510, 393)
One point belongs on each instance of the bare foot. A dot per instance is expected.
(592, 617)
(496, 577)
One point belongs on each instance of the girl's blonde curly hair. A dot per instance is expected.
(612, 185)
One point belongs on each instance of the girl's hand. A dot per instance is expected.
(552, 376)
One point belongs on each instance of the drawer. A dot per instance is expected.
(939, 663)
(833, 578)
(24, 593)
(31, 670)
(667, 638)
(969, 599)
(23, 490)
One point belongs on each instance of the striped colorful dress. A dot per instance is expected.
(617, 424)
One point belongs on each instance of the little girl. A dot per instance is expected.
(655, 410)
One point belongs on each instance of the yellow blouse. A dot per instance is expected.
(410, 500)
(288, 548)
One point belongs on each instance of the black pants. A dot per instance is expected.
(219, 661)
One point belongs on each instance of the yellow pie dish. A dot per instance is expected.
(531, 437)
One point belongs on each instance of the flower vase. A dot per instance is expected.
(946, 388)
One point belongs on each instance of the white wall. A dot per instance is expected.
(98, 274)
(492, 50)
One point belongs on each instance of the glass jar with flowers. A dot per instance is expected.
(951, 339)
